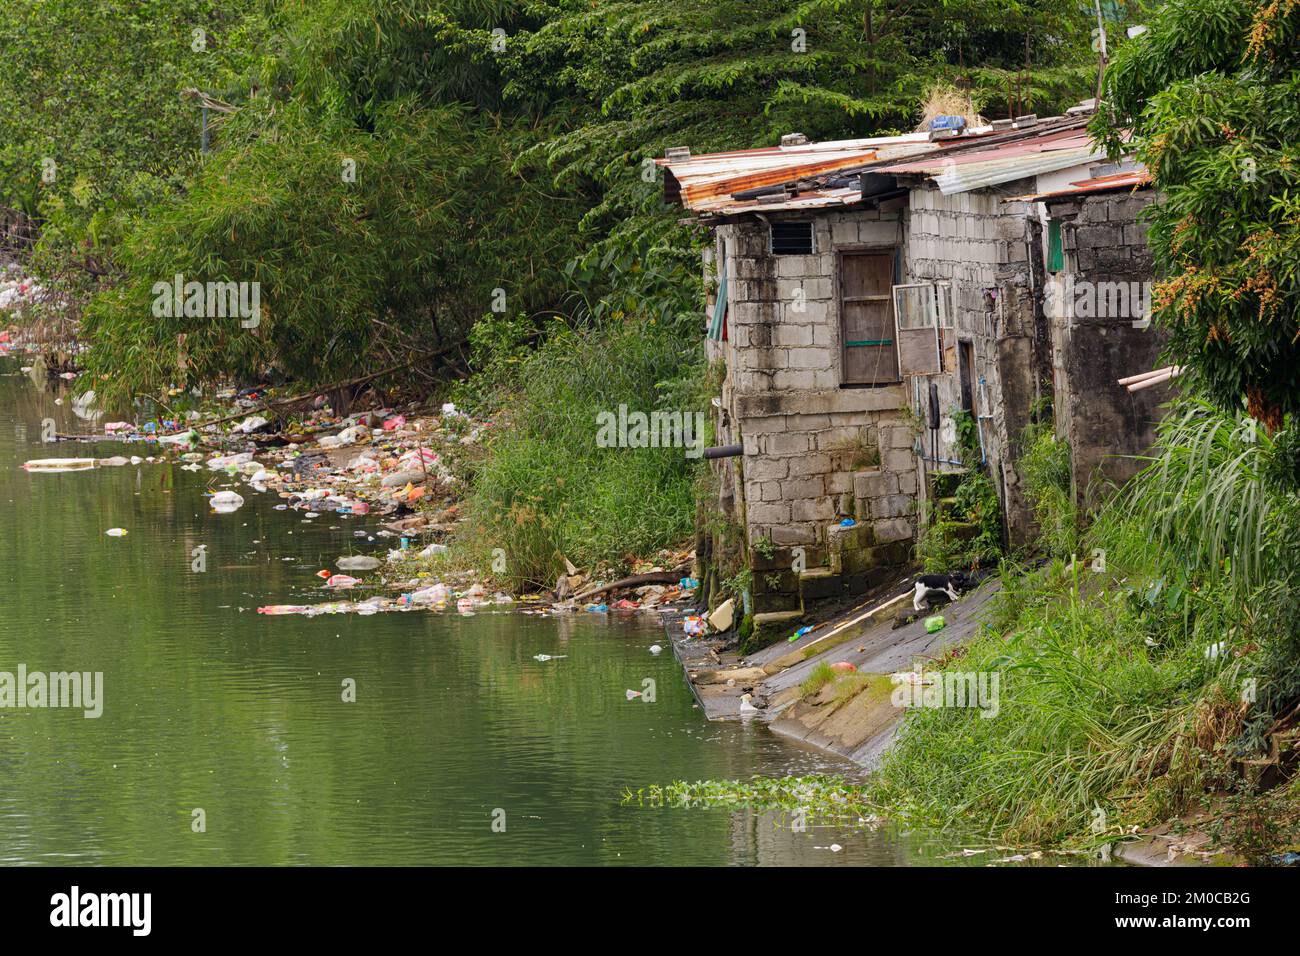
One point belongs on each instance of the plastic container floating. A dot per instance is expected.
(59, 464)
(224, 502)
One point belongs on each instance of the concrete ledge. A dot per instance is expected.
(772, 626)
(819, 401)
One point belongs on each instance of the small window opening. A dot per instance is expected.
(792, 239)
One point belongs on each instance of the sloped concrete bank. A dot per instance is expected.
(853, 717)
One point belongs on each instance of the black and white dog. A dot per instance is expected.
(949, 584)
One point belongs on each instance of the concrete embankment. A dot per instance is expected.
(854, 716)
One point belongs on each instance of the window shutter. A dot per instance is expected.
(1055, 247)
(917, 312)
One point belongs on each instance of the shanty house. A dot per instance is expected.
(865, 291)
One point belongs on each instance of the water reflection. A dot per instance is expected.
(210, 706)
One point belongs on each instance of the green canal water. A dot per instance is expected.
(209, 705)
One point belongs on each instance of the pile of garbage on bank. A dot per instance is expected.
(397, 467)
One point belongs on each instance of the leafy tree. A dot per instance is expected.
(92, 123)
(1212, 95)
(368, 248)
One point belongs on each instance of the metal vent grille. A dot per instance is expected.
(792, 239)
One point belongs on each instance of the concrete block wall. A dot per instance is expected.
(806, 440)
(979, 244)
(1094, 344)
(783, 311)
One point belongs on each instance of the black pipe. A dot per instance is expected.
(724, 451)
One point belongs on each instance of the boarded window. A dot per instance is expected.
(866, 319)
(921, 310)
(792, 239)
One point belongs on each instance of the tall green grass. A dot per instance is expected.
(545, 491)
(1045, 466)
(1122, 683)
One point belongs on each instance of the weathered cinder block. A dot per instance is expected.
(813, 358)
(892, 529)
(770, 559)
(839, 483)
(773, 512)
(797, 267)
(812, 509)
(891, 506)
(765, 469)
(789, 336)
(898, 459)
(811, 487)
(874, 484)
(819, 585)
(775, 582)
(810, 464)
(797, 535)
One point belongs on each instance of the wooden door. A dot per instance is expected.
(870, 355)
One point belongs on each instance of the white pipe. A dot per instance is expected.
(1151, 381)
(1143, 376)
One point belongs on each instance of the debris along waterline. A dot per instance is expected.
(396, 464)
(856, 654)
(379, 575)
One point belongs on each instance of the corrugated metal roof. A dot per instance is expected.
(707, 183)
(1032, 155)
(724, 183)
(1134, 179)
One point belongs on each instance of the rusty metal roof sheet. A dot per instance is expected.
(708, 183)
(728, 183)
(1031, 155)
(1133, 179)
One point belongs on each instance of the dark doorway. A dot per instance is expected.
(966, 364)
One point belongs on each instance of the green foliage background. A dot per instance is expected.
(1212, 95)
(500, 152)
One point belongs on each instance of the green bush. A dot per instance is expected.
(546, 491)
(1045, 468)
(970, 533)
(1122, 682)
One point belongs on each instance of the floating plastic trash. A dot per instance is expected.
(434, 594)
(116, 532)
(59, 464)
(357, 562)
(250, 424)
(225, 502)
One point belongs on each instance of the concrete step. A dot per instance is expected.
(818, 584)
(773, 626)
